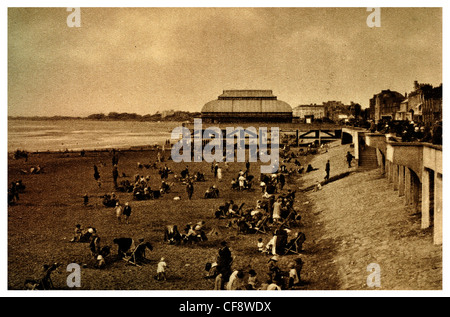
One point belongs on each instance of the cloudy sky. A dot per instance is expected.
(143, 60)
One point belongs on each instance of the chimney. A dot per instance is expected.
(416, 85)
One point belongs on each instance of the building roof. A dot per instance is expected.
(243, 105)
(247, 94)
(309, 106)
(247, 101)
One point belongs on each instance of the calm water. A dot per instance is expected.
(76, 135)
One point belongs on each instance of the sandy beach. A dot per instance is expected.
(349, 223)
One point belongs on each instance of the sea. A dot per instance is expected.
(77, 135)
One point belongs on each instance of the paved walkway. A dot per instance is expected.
(365, 222)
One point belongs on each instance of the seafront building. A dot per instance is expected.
(308, 113)
(246, 106)
(422, 105)
(385, 105)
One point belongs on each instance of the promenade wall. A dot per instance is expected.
(414, 169)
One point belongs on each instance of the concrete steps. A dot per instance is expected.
(368, 158)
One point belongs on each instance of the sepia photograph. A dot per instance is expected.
(193, 148)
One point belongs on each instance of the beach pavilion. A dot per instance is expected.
(246, 106)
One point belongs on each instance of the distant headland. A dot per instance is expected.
(124, 116)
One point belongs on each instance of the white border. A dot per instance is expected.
(221, 294)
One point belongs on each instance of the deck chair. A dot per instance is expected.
(137, 255)
(262, 225)
(295, 245)
(290, 219)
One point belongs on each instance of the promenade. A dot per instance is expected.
(361, 220)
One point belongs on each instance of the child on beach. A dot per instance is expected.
(260, 245)
(161, 270)
(252, 281)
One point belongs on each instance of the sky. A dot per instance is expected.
(144, 60)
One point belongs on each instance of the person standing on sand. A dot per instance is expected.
(219, 174)
(216, 167)
(85, 199)
(161, 270)
(349, 157)
(115, 158)
(119, 212)
(127, 212)
(327, 170)
(96, 173)
(189, 189)
(115, 173)
(241, 180)
(276, 216)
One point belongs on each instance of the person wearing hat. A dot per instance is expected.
(274, 272)
(161, 270)
(224, 260)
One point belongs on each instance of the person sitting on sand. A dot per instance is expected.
(139, 252)
(234, 184)
(252, 280)
(165, 188)
(212, 192)
(78, 233)
(236, 281)
(35, 169)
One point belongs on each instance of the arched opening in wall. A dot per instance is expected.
(346, 138)
(416, 192)
(383, 159)
(431, 176)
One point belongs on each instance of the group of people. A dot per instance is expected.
(272, 184)
(274, 278)
(192, 233)
(268, 212)
(90, 236)
(410, 131)
(109, 200)
(282, 242)
(123, 212)
(143, 191)
(243, 181)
